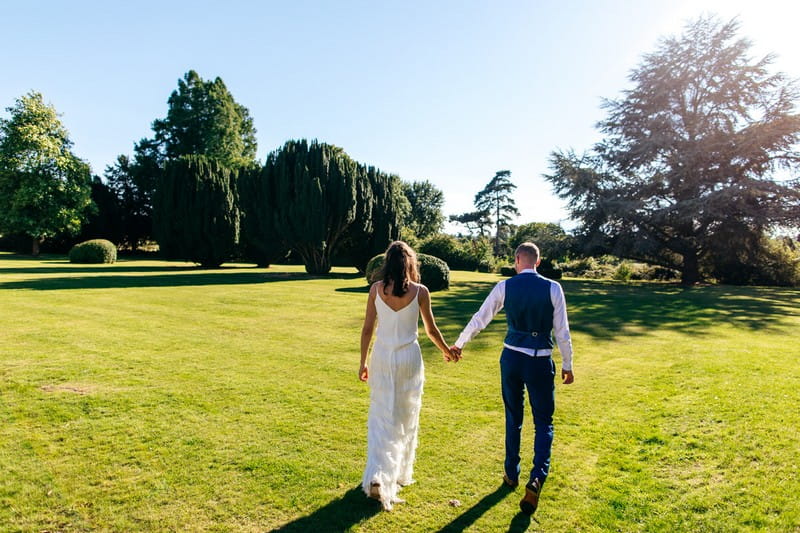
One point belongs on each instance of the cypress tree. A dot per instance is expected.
(378, 223)
(196, 217)
(315, 198)
(261, 236)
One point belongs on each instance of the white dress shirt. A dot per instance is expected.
(494, 302)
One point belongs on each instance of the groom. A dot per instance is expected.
(535, 308)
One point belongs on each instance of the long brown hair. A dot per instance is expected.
(399, 267)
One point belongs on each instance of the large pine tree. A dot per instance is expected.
(202, 118)
(496, 202)
(687, 171)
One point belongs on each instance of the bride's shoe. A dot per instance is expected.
(375, 491)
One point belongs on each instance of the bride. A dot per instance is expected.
(395, 373)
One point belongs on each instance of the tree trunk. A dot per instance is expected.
(318, 263)
(36, 241)
(690, 273)
(497, 231)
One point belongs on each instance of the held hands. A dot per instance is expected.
(454, 354)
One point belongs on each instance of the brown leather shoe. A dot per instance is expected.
(509, 482)
(530, 501)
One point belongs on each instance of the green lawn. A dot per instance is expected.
(156, 396)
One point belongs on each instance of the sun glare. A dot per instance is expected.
(771, 25)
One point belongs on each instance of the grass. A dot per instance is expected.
(156, 396)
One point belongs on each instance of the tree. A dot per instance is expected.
(495, 200)
(134, 202)
(425, 216)
(476, 222)
(103, 222)
(45, 189)
(390, 207)
(551, 239)
(196, 217)
(204, 119)
(690, 156)
(262, 238)
(315, 198)
(381, 207)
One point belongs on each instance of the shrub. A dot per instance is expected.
(551, 239)
(434, 273)
(623, 272)
(373, 269)
(508, 271)
(93, 251)
(485, 265)
(450, 250)
(608, 267)
(548, 269)
(769, 261)
(545, 268)
(589, 267)
(460, 253)
(443, 246)
(664, 274)
(643, 271)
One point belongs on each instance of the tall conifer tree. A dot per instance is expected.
(316, 198)
(686, 175)
(196, 216)
(496, 201)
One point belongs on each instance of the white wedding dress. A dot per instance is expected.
(396, 376)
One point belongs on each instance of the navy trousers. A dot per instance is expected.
(518, 372)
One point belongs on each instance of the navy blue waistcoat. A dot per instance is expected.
(529, 312)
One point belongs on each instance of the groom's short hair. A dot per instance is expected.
(528, 249)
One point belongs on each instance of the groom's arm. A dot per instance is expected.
(490, 307)
(561, 331)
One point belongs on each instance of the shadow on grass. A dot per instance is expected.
(117, 267)
(112, 276)
(112, 280)
(466, 519)
(338, 515)
(362, 290)
(173, 280)
(605, 309)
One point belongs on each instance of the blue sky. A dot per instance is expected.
(448, 91)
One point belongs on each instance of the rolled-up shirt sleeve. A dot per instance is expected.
(490, 307)
(561, 325)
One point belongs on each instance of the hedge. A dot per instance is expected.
(434, 273)
(93, 251)
(546, 268)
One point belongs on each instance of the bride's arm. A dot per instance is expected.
(367, 331)
(431, 329)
